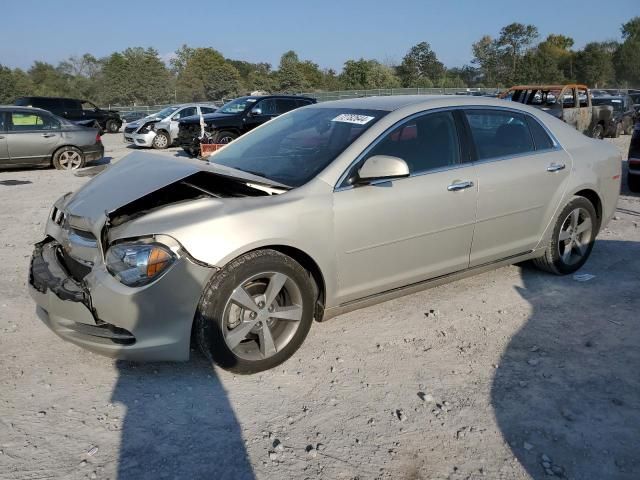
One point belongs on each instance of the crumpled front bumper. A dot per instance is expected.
(149, 323)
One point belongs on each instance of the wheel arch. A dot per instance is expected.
(311, 266)
(591, 195)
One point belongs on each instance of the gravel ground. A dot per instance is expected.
(513, 374)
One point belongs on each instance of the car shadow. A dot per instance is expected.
(179, 422)
(12, 183)
(566, 393)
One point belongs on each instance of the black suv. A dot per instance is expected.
(78, 111)
(236, 118)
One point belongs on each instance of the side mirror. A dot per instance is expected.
(381, 167)
(256, 111)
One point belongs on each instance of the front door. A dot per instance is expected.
(522, 175)
(32, 137)
(261, 112)
(174, 125)
(400, 232)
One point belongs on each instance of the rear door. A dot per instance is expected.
(522, 175)
(32, 137)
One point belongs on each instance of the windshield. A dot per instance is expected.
(616, 103)
(165, 112)
(236, 106)
(294, 148)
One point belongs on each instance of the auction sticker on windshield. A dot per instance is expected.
(353, 118)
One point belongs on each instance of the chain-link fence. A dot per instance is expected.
(335, 95)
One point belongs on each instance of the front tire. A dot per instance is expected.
(597, 131)
(161, 140)
(112, 126)
(68, 158)
(572, 239)
(224, 137)
(255, 312)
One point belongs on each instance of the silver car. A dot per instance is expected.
(160, 129)
(32, 137)
(326, 209)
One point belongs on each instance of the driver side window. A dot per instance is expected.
(426, 142)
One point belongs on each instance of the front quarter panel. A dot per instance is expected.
(215, 231)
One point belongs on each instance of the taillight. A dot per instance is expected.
(98, 138)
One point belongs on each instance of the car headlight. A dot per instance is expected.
(137, 264)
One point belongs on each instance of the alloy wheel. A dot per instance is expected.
(262, 315)
(160, 141)
(70, 160)
(575, 236)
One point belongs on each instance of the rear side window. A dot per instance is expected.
(32, 121)
(425, 143)
(285, 105)
(206, 110)
(541, 138)
(499, 133)
(303, 103)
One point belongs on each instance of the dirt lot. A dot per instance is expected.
(500, 376)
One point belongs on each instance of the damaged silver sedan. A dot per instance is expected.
(324, 210)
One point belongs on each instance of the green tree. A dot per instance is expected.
(487, 55)
(221, 82)
(420, 67)
(594, 64)
(367, 74)
(180, 58)
(13, 84)
(290, 77)
(627, 57)
(191, 81)
(136, 76)
(515, 38)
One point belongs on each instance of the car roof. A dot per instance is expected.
(5, 108)
(390, 103)
(261, 97)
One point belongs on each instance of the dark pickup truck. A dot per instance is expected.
(570, 103)
(235, 118)
(81, 112)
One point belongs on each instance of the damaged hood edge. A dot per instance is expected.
(133, 177)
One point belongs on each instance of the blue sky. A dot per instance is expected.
(327, 32)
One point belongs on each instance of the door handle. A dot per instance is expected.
(555, 167)
(48, 135)
(454, 187)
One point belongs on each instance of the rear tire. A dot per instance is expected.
(619, 130)
(629, 129)
(68, 158)
(572, 238)
(633, 182)
(256, 312)
(112, 126)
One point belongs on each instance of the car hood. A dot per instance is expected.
(135, 176)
